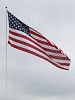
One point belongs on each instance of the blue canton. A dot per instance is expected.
(15, 23)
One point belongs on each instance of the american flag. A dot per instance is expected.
(25, 38)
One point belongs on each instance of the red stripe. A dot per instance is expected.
(65, 64)
(35, 31)
(48, 43)
(25, 37)
(51, 50)
(31, 52)
(36, 34)
(54, 51)
(42, 42)
(60, 58)
(39, 34)
(27, 44)
(57, 52)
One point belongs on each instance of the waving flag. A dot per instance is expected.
(25, 38)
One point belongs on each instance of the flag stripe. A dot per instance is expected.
(19, 42)
(48, 46)
(55, 54)
(47, 42)
(57, 57)
(43, 46)
(29, 51)
(23, 45)
(38, 38)
(42, 42)
(12, 31)
(35, 34)
(27, 44)
(27, 38)
(64, 64)
(33, 30)
(52, 52)
(61, 61)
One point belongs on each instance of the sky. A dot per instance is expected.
(30, 77)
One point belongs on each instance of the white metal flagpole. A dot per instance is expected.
(6, 53)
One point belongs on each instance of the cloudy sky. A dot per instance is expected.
(30, 77)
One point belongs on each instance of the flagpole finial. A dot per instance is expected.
(6, 7)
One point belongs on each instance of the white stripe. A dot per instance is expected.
(34, 31)
(20, 38)
(22, 33)
(43, 45)
(55, 54)
(62, 61)
(38, 38)
(51, 48)
(25, 40)
(17, 31)
(65, 67)
(48, 46)
(45, 39)
(29, 48)
(32, 48)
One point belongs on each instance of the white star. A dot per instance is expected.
(20, 29)
(12, 22)
(16, 27)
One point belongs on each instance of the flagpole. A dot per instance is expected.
(6, 53)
